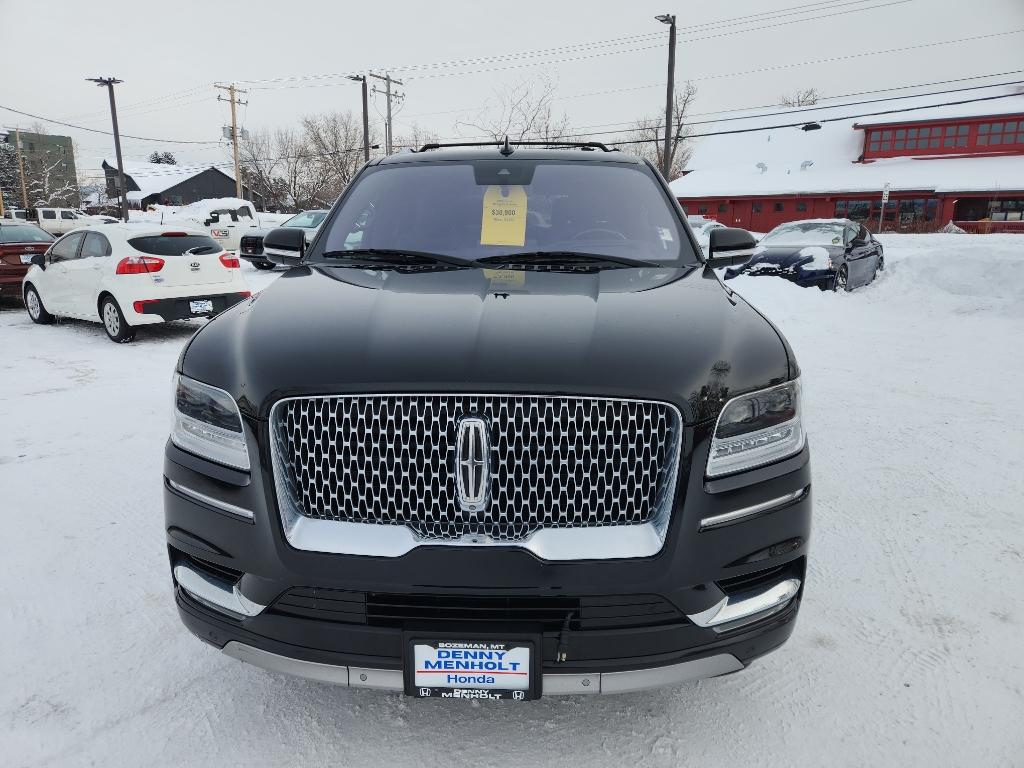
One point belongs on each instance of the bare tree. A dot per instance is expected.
(521, 111)
(647, 137)
(415, 137)
(804, 97)
(334, 142)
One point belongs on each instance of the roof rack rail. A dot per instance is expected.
(584, 145)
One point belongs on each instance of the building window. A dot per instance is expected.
(780, 207)
(723, 207)
(755, 207)
(801, 207)
(702, 209)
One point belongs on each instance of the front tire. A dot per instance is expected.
(114, 324)
(842, 282)
(264, 264)
(34, 305)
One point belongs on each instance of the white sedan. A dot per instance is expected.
(127, 275)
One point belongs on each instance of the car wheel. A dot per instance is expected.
(880, 266)
(842, 279)
(35, 307)
(114, 324)
(263, 264)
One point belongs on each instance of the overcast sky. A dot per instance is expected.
(608, 66)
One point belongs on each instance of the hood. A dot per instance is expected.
(668, 334)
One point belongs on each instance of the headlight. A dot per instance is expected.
(207, 423)
(757, 429)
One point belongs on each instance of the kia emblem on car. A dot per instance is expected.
(195, 266)
(472, 465)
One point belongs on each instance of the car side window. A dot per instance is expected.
(864, 234)
(850, 234)
(96, 245)
(67, 215)
(49, 214)
(66, 248)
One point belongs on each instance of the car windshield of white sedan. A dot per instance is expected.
(477, 209)
(805, 233)
(306, 219)
(21, 233)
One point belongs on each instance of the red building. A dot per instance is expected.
(963, 164)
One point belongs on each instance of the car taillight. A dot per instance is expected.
(139, 265)
(229, 261)
(139, 306)
(246, 294)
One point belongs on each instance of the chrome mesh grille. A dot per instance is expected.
(555, 462)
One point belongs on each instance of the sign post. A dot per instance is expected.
(885, 199)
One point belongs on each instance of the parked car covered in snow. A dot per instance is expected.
(251, 247)
(832, 254)
(19, 242)
(702, 228)
(127, 275)
(225, 219)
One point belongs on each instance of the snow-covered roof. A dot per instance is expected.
(153, 178)
(822, 161)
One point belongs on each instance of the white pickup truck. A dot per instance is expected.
(226, 219)
(57, 221)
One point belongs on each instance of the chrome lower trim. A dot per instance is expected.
(202, 498)
(606, 542)
(726, 518)
(219, 594)
(553, 684)
(736, 610)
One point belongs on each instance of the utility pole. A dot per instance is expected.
(388, 80)
(232, 97)
(366, 117)
(21, 168)
(666, 164)
(109, 83)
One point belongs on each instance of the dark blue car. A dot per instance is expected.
(832, 254)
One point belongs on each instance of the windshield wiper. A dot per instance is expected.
(394, 257)
(563, 258)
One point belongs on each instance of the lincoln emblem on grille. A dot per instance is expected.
(472, 459)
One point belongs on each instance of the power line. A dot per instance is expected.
(97, 130)
(297, 80)
(823, 120)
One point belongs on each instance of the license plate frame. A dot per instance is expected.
(476, 641)
(200, 306)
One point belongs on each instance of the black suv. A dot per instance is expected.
(500, 431)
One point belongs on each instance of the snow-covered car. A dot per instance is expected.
(832, 254)
(702, 230)
(251, 246)
(127, 275)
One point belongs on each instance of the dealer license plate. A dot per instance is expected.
(200, 307)
(471, 670)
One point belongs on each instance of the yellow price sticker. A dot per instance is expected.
(504, 216)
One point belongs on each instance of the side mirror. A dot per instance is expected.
(729, 246)
(39, 259)
(285, 246)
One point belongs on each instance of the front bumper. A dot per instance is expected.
(731, 591)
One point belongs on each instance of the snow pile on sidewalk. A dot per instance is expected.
(907, 651)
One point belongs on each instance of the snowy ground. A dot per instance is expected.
(907, 652)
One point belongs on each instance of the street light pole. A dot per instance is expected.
(666, 158)
(109, 83)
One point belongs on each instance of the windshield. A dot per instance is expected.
(306, 219)
(463, 210)
(23, 234)
(805, 233)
